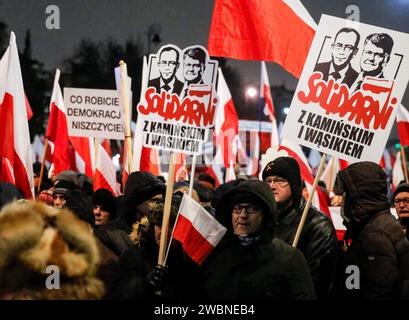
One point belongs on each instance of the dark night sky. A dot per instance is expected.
(184, 22)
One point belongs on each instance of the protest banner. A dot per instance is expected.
(177, 109)
(94, 113)
(349, 91)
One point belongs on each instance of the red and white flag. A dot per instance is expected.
(84, 155)
(402, 118)
(105, 173)
(267, 100)
(57, 130)
(264, 30)
(226, 123)
(14, 133)
(197, 230)
(397, 172)
(230, 173)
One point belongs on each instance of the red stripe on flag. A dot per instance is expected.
(57, 132)
(197, 247)
(403, 130)
(262, 30)
(101, 182)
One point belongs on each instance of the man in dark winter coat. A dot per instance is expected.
(379, 248)
(318, 241)
(140, 189)
(249, 262)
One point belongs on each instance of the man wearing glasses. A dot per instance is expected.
(401, 203)
(375, 55)
(318, 241)
(344, 49)
(168, 64)
(194, 64)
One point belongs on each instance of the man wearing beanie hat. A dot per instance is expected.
(60, 193)
(104, 206)
(400, 201)
(140, 189)
(318, 241)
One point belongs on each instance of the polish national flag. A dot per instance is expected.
(84, 154)
(397, 172)
(402, 118)
(330, 173)
(57, 130)
(226, 123)
(14, 133)
(105, 173)
(197, 230)
(267, 102)
(264, 30)
(294, 150)
(230, 173)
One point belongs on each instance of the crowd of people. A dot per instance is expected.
(106, 247)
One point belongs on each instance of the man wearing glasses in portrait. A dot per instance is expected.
(344, 48)
(168, 64)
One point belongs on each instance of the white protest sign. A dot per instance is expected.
(349, 91)
(178, 107)
(94, 113)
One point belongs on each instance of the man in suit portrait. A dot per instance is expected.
(344, 48)
(375, 56)
(194, 64)
(168, 64)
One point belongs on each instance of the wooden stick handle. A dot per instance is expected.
(166, 211)
(308, 204)
(192, 175)
(42, 165)
(405, 169)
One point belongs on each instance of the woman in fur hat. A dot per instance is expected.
(35, 239)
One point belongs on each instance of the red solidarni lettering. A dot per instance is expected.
(335, 99)
(189, 111)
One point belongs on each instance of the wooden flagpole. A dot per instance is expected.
(192, 175)
(127, 120)
(405, 169)
(42, 165)
(166, 211)
(308, 204)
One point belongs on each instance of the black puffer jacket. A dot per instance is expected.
(379, 248)
(318, 242)
(268, 268)
(140, 186)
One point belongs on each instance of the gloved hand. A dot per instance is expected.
(156, 279)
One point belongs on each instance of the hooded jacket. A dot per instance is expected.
(379, 248)
(140, 186)
(267, 268)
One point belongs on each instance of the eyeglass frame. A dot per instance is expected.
(346, 47)
(397, 201)
(238, 209)
(280, 182)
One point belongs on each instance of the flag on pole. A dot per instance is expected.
(267, 103)
(197, 230)
(105, 173)
(14, 133)
(84, 153)
(57, 130)
(402, 118)
(226, 123)
(397, 172)
(264, 30)
(230, 174)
